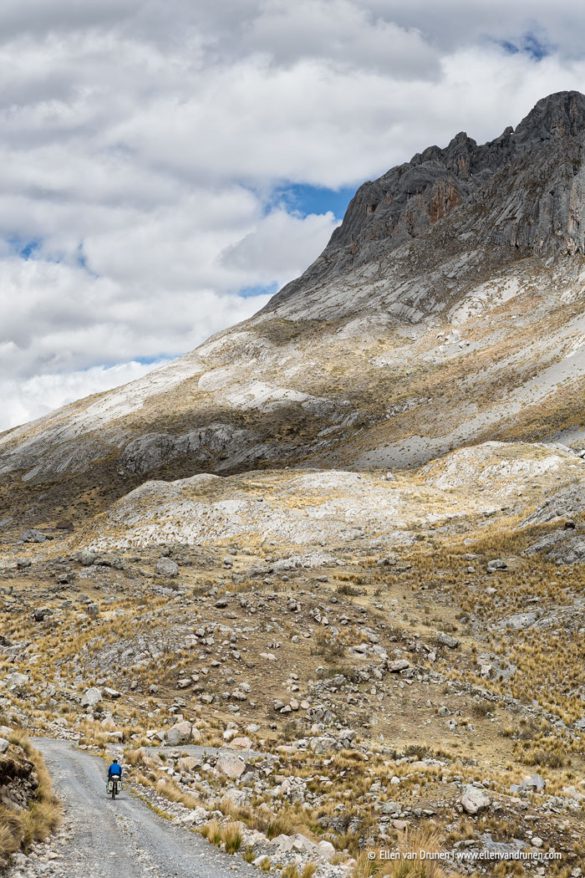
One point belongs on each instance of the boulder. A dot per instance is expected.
(180, 733)
(41, 613)
(474, 800)
(91, 697)
(231, 766)
(16, 681)
(189, 763)
(33, 536)
(167, 567)
(496, 564)
(3, 745)
(533, 782)
(326, 850)
(86, 558)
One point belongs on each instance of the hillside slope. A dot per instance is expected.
(447, 309)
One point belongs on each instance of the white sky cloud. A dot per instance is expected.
(142, 143)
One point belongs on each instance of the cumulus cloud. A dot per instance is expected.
(36, 396)
(143, 144)
(272, 251)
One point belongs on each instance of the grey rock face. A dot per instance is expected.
(524, 190)
(562, 547)
(564, 504)
(153, 450)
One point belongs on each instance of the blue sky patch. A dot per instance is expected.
(159, 359)
(304, 199)
(26, 249)
(261, 290)
(528, 44)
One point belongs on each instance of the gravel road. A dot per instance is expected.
(124, 838)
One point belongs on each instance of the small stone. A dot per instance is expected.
(496, 564)
(398, 665)
(447, 640)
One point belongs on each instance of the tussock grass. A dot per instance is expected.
(212, 832)
(21, 828)
(171, 791)
(232, 837)
(417, 839)
(227, 836)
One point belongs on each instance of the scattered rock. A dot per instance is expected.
(33, 536)
(398, 665)
(496, 564)
(447, 640)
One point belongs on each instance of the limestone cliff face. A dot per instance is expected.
(523, 190)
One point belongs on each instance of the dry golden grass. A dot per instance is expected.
(171, 791)
(232, 837)
(212, 831)
(409, 842)
(20, 828)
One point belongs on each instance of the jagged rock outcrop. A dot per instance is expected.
(524, 189)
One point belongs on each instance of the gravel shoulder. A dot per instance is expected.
(109, 839)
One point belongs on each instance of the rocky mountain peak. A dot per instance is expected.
(523, 192)
(559, 115)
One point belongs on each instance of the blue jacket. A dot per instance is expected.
(115, 769)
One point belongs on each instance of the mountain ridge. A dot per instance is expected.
(405, 202)
(388, 361)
